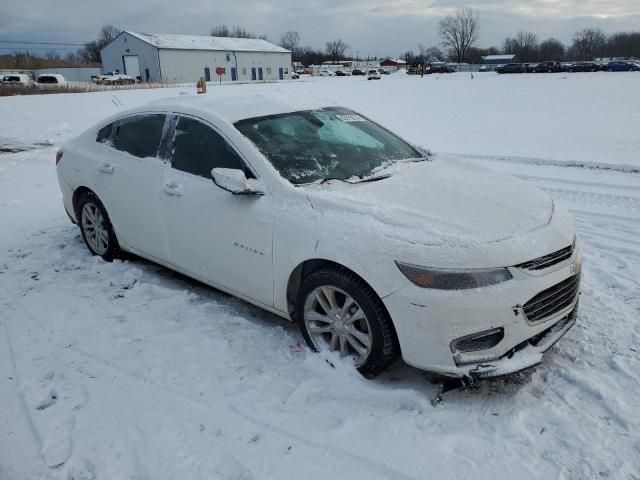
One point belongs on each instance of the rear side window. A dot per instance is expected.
(104, 134)
(140, 135)
(198, 149)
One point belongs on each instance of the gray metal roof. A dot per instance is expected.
(200, 42)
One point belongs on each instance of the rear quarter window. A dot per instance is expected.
(104, 134)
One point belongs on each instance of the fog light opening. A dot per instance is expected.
(478, 341)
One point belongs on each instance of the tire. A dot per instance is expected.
(95, 226)
(366, 319)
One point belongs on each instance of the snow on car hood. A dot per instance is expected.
(439, 202)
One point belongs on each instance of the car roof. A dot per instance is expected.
(239, 107)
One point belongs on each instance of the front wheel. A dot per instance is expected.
(336, 310)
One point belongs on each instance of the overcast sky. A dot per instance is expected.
(370, 27)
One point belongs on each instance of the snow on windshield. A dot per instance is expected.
(335, 142)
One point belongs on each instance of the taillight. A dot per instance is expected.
(58, 156)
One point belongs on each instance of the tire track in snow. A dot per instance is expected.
(145, 382)
(25, 442)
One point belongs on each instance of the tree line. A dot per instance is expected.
(458, 37)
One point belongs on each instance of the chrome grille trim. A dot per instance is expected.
(552, 300)
(548, 260)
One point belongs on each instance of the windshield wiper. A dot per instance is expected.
(353, 182)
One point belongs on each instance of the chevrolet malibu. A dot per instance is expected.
(376, 248)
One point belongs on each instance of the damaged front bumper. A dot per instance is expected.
(525, 355)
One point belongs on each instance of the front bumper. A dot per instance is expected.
(427, 321)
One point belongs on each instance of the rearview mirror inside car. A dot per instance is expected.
(235, 181)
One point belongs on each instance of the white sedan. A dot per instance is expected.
(316, 213)
(373, 75)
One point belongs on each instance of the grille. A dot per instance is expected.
(548, 260)
(552, 300)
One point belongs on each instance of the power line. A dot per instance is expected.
(42, 43)
(18, 49)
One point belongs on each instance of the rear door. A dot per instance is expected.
(223, 238)
(128, 177)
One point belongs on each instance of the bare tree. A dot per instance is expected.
(460, 31)
(524, 46)
(220, 31)
(90, 53)
(236, 31)
(108, 33)
(588, 44)
(336, 49)
(552, 49)
(290, 40)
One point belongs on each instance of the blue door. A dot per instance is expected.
(281, 73)
(253, 73)
(207, 74)
(234, 76)
(259, 73)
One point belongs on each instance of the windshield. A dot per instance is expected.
(330, 143)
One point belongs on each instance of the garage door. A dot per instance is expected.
(132, 65)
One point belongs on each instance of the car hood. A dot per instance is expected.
(443, 201)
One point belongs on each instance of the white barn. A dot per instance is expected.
(186, 58)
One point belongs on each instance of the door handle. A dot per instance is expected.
(173, 189)
(106, 168)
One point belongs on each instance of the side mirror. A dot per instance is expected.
(234, 181)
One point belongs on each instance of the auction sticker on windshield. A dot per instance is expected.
(350, 118)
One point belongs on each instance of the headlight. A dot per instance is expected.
(453, 279)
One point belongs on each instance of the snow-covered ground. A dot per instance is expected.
(129, 371)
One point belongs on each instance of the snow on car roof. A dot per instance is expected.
(239, 107)
(200, 42)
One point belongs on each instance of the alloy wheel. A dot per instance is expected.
(94, 228)
(334, 320)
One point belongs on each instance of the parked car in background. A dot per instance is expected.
(117, 79)
(530, 67)
(439, 67)
(17, 79)
(326, 73)
(373, 74)
(342, 73)
(583, 67)
(357, 72)
(511, 68)
(50, 80)
(391, 255)
(549, 67)
(623, 66)
(485, 68)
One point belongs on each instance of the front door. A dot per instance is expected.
(260, 73)
(234, 74)
(281, 73)
(207, 74)
(253, 73)
(224, 239)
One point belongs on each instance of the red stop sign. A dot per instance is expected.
(220, 71)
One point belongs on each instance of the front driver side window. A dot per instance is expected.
(198, 149)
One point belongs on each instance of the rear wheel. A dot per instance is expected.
(96, 227)
(337, 311)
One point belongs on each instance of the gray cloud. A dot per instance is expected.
(371, 27)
